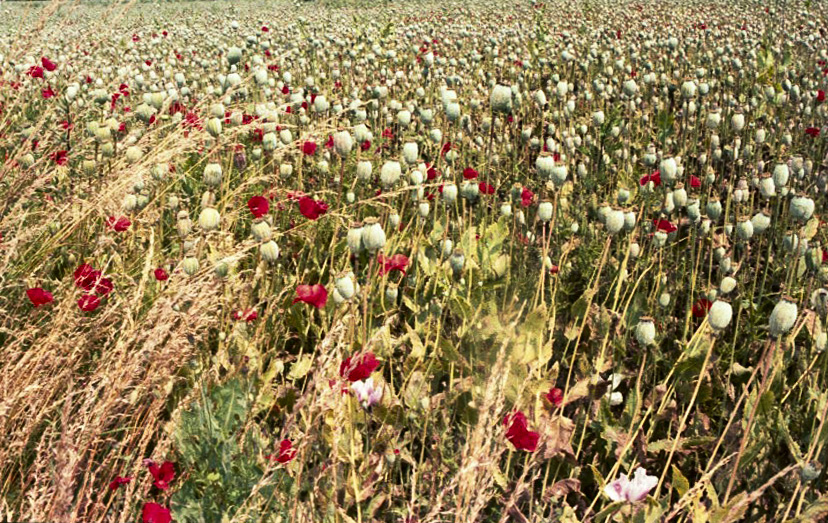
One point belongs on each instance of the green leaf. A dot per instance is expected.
(680, 483)
(301, 367)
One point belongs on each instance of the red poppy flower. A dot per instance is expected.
(820, 96)
(555, 396)
(446, 148)
(35, 71)
(360, 370)
(104, 287)
(286, 452)
(119, 224)
(695, 181)
(86, 277)
(60, 157)
(329, 144)
(48, 64)
(88, 302)
(526, 197)
(315, 295)
(469, 173)
(118, 481)
(308, 148)
(701, 307)
(39, 296)
(258, 205)
(312, 209)
(155, 513)
(161, 274)
(655, 178)
(66, 125)
(518, 433)
(813, 132)
(265, 29)
(387, 133)
(365, 145)
(664, 225)
(485, 188)
(824, 256)
(398, 262)
(162, 475)
(47, 93)
(247, 315)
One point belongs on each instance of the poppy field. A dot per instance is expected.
(416, 262)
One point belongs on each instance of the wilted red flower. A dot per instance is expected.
(431, 172)
(35, 71)
(813, 132)
(161, 274)
(695, 181)
(60, 157)
(555, 396)
(312, 209)
(104, 287)
(86, 277)
(118, 481)
(88, 302)
(286, 452)
(247, 315)
(485, 188)
(309, 148)
(315, 295)
(526, 197)
(39, 296)
(119, 224)
(258, 205)
(365, 145)
(361, 369)
(665, 225)
(155, 513)
(820, 96)
(518, 433)
(398, 262)
(48, 64)
(162, 475)
(701, 307)
(469, 173)
(47, 93)
(655, 178)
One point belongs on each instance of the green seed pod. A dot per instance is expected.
(354, 238)
(221, 269)
(761, 221)
(345, 285)
(645, 331)
(781, 174)
(214, 127)
(727, 285)
(714, 209)
(782, 317)
(261, 230)
(457, 261)
(373, 237)
(659, 239)
(130, 203)
(501, 99)
(720, 315)
(183, 224)
(410, 153)
(391, 293)
(212, 174)
(190, 265)
(802, 208)
(614, 221)
(545, 164)
(209, 219)
(693, 210)
(450, 193)
(269, 251)
(545, 211)
(744, 229)
(363, 170)
(664, 299)
(390, 174)
(343, 143)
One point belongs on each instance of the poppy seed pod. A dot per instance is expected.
(738, 121)
(269, 251)
(457, 261)
(635, 250)
(802, 208)
(501, 99)
(214, 127)
(545, 211)
(744, 229)
(394, 220)
(545, 164)
(767, 186)
(391, 292)
(261, 230)
(450, 193)
(782, 317)
(598, 118)
(623, 195)
(343, 143)
(209, 219)
(761, 221)
(728, 285)
(410, 152)
(183, 224)
(346, 285)
(363, 170)
(719, 315)
(423, 208)
(373, 237)
(645, 332)
(559, 173)
(614, 221)
(664, 299)
(212, 174)
(190, 265)
(668, 169)
(781, 174)
(390, 173)
(269, 141)
(659, 238)
(680, 195)
(506, 209)
(629, 221)
(354, 238)
(693, 210)
(714, 209)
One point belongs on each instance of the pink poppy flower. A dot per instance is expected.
(315, 295)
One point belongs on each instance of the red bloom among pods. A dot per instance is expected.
(118, 224)
(655, 178)
(163, 475)
(820, 96)
(258, 205)
(365, 145)
(695, 182)
(48, 64)
(161, 274)
(104, 287)
(359, 370)
(665, 225)
(308, 148)
(446, 148)
(86, 277)
(555, 396)
(39, 296)
(286, 452)
(247, 315)
(485, 188)
(701, 307)
(47, 93)
(60, 157)
(518, 433)
(118, 481)
(35, 71)
(398, 262)
(312, 209)
(813, 132)
(526, 197)
(155, 513)
(88, 302)
(315, 295)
